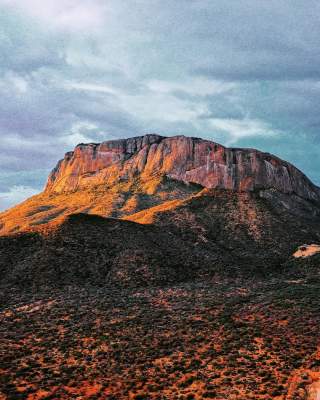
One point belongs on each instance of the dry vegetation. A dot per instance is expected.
(191, 341)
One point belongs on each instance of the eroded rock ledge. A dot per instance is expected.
(183, 158)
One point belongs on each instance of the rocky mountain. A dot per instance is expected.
(185, 159)
(197, 277)
(121, 177)
(181, 208)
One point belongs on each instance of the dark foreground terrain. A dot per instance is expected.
(214, 339)
(203, 300)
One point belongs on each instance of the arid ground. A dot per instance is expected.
(215, 340)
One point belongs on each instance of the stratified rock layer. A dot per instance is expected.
(182, 158)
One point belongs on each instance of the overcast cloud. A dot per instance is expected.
(241, 72)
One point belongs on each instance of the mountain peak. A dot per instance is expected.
(186, 159)
(119, 178)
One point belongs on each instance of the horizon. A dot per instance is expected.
(241, 74)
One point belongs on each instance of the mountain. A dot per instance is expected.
(181, 158)
(166, 268)
(173, 209)
(121, 177)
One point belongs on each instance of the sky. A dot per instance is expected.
(244, 73)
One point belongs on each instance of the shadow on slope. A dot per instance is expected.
(212, 236)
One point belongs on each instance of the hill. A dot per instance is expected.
(215, 233)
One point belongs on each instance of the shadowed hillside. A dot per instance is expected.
(217, 232)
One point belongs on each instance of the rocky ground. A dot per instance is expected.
(255, 339)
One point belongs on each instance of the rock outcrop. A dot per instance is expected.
(123, 177)
(185, 159)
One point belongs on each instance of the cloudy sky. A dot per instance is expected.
(240, 72)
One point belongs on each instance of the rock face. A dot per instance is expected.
(185, 159)
(123, 177)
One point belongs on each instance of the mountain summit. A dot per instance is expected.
(119, 178)
(185, 159)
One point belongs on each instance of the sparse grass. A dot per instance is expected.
(134, 344)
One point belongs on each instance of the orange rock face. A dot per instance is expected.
(182, 158)
(122, 177)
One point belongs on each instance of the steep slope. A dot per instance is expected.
(182, 158)
(119, 178)
(114, 200)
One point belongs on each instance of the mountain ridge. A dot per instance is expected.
(188, 159)
(119, 178)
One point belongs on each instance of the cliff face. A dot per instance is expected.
(123, 177)
(185, 159)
